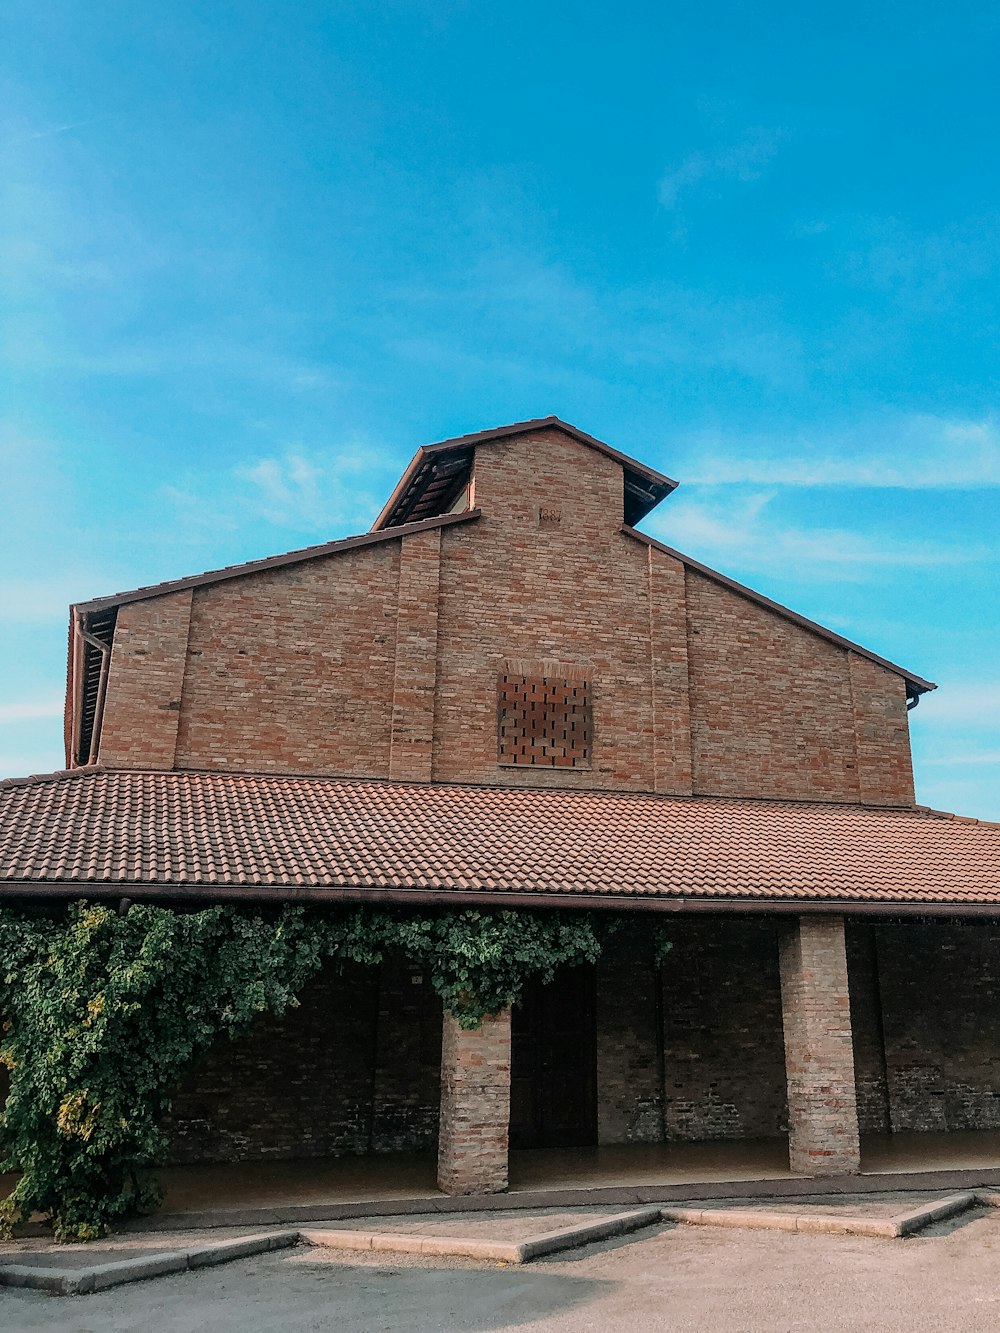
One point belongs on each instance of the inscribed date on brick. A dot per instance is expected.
(544, 717)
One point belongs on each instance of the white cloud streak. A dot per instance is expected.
(740, 531)
(31, 710)
(742, 162)
(912, 453)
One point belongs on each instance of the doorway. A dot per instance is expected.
(553, 1086)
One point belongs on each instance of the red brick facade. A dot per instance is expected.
(383, 660)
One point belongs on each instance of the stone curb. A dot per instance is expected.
(621, 1224)
(751, 1220)
(580, 1197)
(403, 1243)
(889, 1228)
(501, 1251)
(918, 1218)
(98, 1277)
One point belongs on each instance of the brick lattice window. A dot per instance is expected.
(545, 717)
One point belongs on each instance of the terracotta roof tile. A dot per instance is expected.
(189, 831)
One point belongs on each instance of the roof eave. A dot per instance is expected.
(56, 890)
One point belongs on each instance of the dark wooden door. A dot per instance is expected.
(553, 1086)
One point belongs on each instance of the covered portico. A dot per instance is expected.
(834, 972)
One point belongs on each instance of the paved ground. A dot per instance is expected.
(674, 1277)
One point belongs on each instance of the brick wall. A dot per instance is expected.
(357, 1067)
(940, 987)
(724, 1058)
(870, 1079)
(412, 745)
(145, 684)
(292, 670)
(629, 1047)
(771, 706)
(383, 660)
(881, 733)
(353, 1070)
(704, 1058)
(573, 590)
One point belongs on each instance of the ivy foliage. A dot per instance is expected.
(106, 1010)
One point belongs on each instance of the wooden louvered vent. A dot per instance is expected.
(545, 717)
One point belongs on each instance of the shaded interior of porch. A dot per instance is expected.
(385, 1177)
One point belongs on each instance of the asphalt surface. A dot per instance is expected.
(670, 1277)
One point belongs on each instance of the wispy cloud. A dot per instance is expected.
(29, 137)
(980, 757)
(743, 531)
(741, 162)
(31, 710)
(915, 452)
(964, 703)
(35, 601)
(313, 491)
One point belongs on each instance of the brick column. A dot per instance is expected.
(412, 743)
(669, 674)
(475, 1106)
(819, 1055)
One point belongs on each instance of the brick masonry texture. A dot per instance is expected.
(881, 734)
(693, 1048)
(355, 1069)
(146, 682)
(819, 1054)
(773, 712)
(940, 989)
(383, 660)
(629, 1047)
(292, 670)
(412, 747)
(475, 1106)
(724, 1058)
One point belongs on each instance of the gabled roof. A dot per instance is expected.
(438, 472)
(210, 836)
(915, 685)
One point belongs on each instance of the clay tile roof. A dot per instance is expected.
(218, 835)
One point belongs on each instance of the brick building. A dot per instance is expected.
(504, 693)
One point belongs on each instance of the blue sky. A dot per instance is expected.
(254, 254)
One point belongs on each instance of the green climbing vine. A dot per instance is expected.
(105, 1010)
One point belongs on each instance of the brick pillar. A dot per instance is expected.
(475, 1106)
(412, 743)
(669, 674)
(819, 1054)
